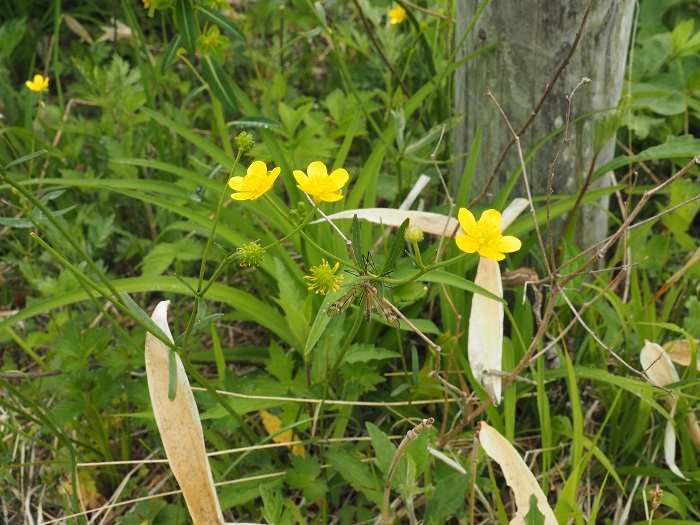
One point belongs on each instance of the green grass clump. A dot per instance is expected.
(114, 197)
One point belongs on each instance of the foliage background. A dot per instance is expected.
(138, 128)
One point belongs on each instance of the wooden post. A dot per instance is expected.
(535, 37)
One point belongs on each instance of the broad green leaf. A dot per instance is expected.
(447, 498)
(363, 353)
(357, 474)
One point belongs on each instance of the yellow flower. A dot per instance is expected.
(39, 84)
(320, 185)
(396, 16)
(323, 278)
(485, 236)
(257, 181)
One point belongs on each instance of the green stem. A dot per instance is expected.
(210, 240)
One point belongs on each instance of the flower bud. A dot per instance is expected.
(414, 234)
(250, 254)
(245, 141)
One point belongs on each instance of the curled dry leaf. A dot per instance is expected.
(519, 478)
(658, 366)
(485, 342)
(679, 352)
(180, 428)
(432, 223)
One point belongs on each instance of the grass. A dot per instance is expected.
(114, 198)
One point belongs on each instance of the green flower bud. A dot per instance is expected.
(245, 141)
(414, 234)
(250, 254)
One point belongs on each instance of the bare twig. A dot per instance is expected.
(410, 436)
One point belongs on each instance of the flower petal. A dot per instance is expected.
(339, 177)
(490, 253)
(258, 168)
(301, 178)
(466, 244)
(491, 218)
(330, 197)
(317, 169)
(508, 244)
(241, 196)
(236, 183)
(466, 219)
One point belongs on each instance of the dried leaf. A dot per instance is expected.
(658, 366)
(679, 352)
(433, 223)
(273, 424)
(691, 423)
(518, 477)
(485, 342)
(180, 428)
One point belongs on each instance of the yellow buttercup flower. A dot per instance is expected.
(396, 16)
(39, 84)
(257, 181)
(320, 185)
(323, 278)
(484, 236)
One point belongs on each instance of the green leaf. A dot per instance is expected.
(397, 247)
(219, 82)
(185, 20)
(357, 474)
(534, 516)
(384, 451)
(356, 240)
(170, 53)
(26, 158)
(451, 279)
(448, 497)
(142, 316)
(253, 122)
(305, 474)
(172, 375)
(363, 353)
(221, 20)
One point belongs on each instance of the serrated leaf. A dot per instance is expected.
(534, 516)
(361, 353)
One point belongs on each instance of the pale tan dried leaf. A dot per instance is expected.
(432, 223)
(485, 342)
(77, 28)
(658, 366)
(518, 477)
(691, 423)
(513, 211)
(679, 352)
(180, 428)
(117, 31)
